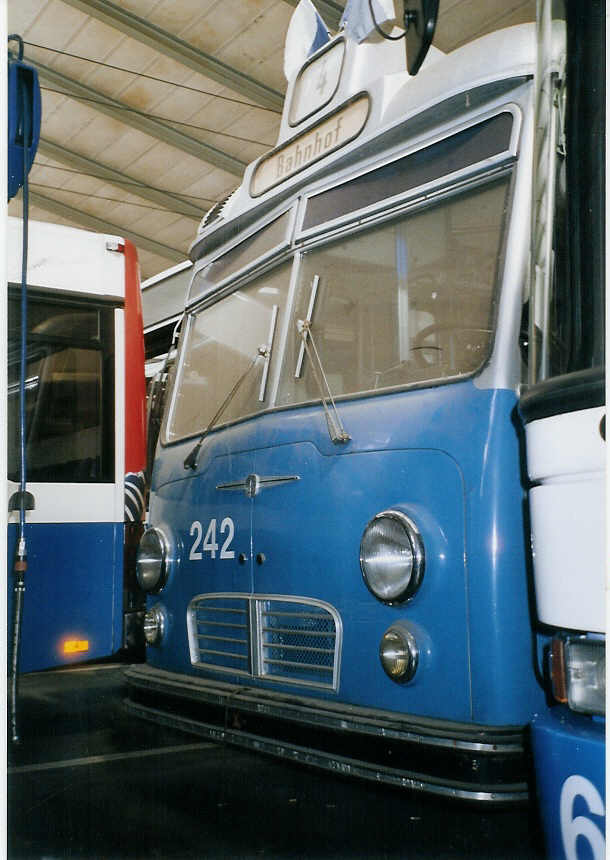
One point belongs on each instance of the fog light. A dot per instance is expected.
(399, 654)
(154, 625)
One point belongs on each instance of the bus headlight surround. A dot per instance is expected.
(152, 560)
(155, 623)
(399, 653)
(392, 557)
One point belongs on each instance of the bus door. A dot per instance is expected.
(73, 597)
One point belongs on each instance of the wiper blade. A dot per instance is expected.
(191, 461)
(336, 430)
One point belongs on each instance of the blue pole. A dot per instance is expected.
(20, 562)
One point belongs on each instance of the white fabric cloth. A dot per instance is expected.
(306, 33)
(357, 20)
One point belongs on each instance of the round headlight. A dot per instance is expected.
(154, 625)
(151, 560)
(392, 557)
(399, 654)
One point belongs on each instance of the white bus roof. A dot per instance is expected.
(66, 258)
(376, 72)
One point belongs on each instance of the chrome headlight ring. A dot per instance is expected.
(154, 559)
(155, 624)
(399, 653)
(392, 557)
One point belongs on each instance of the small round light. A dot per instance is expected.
(392, 557)
(154, 625)
(399, 654)
(151, 560)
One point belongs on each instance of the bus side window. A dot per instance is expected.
(69, 394)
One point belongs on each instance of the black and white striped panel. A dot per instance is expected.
(135, 486)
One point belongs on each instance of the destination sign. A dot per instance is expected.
(317, 83)
(331, 134)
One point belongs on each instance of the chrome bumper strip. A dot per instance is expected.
(428, 732)
(207, 707)
(510, 793)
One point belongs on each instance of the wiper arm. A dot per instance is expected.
(336, 430)
(191, 461)
(274, 313)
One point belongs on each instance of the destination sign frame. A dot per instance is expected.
(317, 82)
(330, 134)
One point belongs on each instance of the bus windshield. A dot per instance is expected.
(220, 344)
(408, 301)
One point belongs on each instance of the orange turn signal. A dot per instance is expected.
(558, 670)
(75, 646)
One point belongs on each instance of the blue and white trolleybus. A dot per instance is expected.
(336, 557)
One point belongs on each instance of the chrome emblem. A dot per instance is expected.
(252, 484)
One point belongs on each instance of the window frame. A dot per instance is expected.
(298, 240)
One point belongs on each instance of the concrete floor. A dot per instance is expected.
(88, 782)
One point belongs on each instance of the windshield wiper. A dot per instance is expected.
(269, 348)
(191, 461)
(307, 322)
(336, 430)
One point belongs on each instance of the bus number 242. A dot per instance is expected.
(210, 543)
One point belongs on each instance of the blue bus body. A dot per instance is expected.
(304, 526)
(347, 375)
(569, 754)
(84, 606)
(475, 681)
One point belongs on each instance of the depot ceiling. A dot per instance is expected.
(153, 108)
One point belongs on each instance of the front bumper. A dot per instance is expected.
(459, 760)
(569, 760)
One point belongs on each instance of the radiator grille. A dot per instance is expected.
(221, 633)
(293, 640)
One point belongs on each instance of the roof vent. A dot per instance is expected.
(216, 212)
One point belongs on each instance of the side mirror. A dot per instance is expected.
(420, 23)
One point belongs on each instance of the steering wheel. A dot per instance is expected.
(451, 336)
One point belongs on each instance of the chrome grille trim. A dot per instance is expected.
(286, 639)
